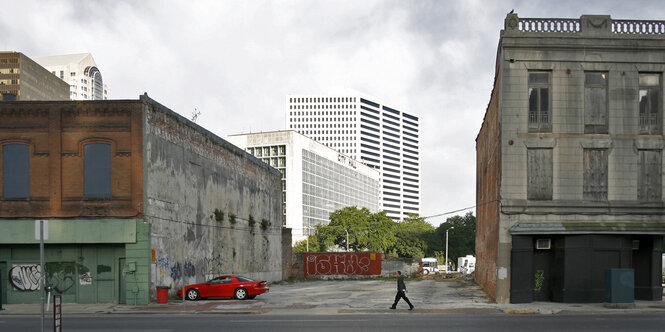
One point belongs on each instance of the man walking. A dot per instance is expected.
(401, 291)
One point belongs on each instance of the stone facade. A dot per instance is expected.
(561, 160)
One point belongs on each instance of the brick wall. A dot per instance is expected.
(488, 170)
(56, 133)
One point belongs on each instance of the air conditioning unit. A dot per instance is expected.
(543, 244)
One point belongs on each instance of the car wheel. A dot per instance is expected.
(241, 294)
(425, 271)
(192, 294)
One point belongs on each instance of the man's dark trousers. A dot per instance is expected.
(401, 295)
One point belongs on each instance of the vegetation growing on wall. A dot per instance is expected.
(219, 215)
(265, 224)
(232, 218)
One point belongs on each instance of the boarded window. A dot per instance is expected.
(539, 174)
(650, 104)
(539, 101)
(595, 174)
(595, 103)
(649, 178)
(15, 171)
(97, 170)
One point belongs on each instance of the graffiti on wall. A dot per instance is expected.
(25, 277)
(342, 264)
(59, 276)
(177, 270)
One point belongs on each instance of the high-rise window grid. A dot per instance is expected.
(378, 135)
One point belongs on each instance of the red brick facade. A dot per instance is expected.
(56, 133)
(488, 170)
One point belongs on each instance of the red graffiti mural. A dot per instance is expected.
(316, 264)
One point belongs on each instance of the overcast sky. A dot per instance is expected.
(235, 61)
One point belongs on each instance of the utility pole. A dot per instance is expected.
(447, 248)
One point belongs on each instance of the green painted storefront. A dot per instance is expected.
(86, 261)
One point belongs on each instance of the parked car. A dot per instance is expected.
(232, 286)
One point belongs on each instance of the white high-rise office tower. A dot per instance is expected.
(80, 72)
(383, 137)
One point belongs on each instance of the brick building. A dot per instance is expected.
(569, 160)
(135, 197)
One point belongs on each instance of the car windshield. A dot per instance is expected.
(243, 279)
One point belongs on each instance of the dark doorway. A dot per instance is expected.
(543, 261)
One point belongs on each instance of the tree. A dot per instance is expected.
(314, 245)
(412, 237)
(364, 230)
(461, 236)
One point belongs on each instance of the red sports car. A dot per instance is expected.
(226, 286)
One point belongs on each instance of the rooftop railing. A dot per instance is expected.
(625, 27)
(586, 24)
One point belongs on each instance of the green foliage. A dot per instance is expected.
(251, 222)
(364, 230)
(461, 237)
(232, 218)
(265, 224)
(413, 237)
(219, 215)
(314, 245)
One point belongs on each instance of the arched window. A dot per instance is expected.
(97, 170)
(15, 171)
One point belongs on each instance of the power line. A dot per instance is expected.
(460, 210)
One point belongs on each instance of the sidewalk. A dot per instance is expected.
(349, 297)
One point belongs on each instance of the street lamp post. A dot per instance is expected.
(347, 240)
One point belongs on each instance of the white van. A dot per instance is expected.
(430, 265)
(466, 264)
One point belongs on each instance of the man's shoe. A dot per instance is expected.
(411, 308)
(392, 308)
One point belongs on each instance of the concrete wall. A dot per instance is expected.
(389, 265)
(213, 209)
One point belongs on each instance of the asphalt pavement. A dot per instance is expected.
(348, 297)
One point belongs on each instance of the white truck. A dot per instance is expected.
(466, 264)
(430, 265)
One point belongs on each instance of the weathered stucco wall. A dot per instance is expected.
(213, 208)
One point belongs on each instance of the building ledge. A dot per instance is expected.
(595, 227)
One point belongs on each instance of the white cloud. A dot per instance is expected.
(235, 61)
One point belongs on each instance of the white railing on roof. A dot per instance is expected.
(625, 27)
(549, 25)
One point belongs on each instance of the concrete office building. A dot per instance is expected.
(380, 136)
(569, 161)
(21, 78)
(79, 71)
(316, 180)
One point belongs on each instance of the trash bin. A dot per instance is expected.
(619, 286)
(163, 294)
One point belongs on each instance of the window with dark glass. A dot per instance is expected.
(97, 170)
(539, 101)
(650, 103)
(595, 103)
(15, 171)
